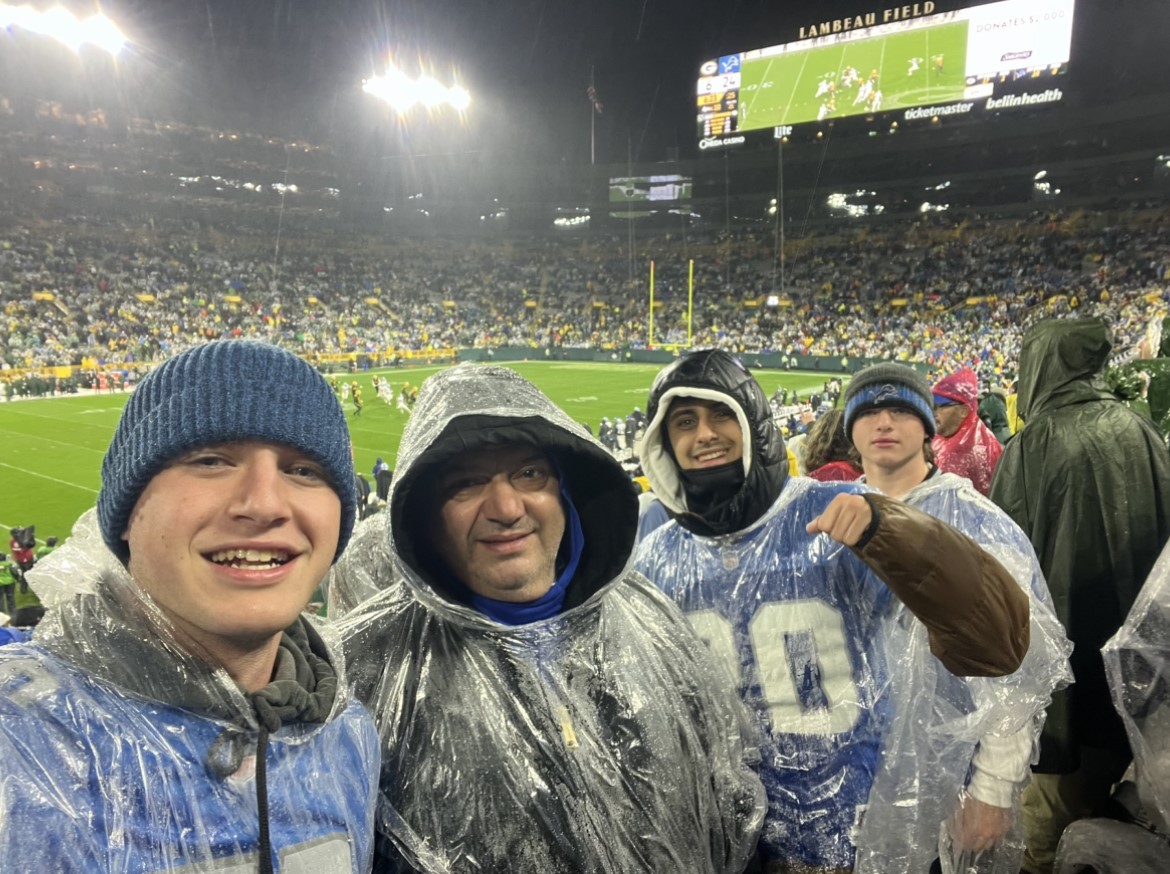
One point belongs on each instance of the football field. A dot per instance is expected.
(921, 66)
(51, 470)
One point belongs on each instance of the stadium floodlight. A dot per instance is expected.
(402, 93)
(63, 26)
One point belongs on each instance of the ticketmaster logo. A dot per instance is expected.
(1052, 95)
(935, 111)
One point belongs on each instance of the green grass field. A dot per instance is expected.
(782, 89)
(51, 469)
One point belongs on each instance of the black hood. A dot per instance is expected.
(716, 375)
(1061, 364)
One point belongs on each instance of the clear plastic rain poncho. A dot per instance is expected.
(121, 752)
(597, 740)
(1137, 660)
(1010, 710)
(868, 736)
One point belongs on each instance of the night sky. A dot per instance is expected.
(290, 66)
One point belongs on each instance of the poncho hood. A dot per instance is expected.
(476, 406)
(1061, 361)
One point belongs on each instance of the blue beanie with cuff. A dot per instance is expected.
(888, 385)
(223, 392)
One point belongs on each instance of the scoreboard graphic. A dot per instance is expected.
(718, 97)
(997, 55)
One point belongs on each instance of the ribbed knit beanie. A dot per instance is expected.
(229, 390)
(888, 385)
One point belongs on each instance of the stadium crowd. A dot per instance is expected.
(946, 295)
(741, 541)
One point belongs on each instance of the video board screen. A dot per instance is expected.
(646, 189)
(863, 65)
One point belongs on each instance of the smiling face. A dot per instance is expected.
(231, 540)
(703, 433)
(500, 521)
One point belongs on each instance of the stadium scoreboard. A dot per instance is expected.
(912, 61)
(665, 187)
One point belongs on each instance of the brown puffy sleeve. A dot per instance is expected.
(975, 613)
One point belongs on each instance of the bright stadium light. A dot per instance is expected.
(402, 93)
(63, 26)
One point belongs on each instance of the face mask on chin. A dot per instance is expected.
(709, 487)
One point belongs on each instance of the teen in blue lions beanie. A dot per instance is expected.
(889, 385)
(222, 392)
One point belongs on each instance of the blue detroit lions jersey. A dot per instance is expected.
(801, 623)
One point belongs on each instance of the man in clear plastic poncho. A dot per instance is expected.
(543, 709)
(818, 631)
(1135, 837)
(175, 710)
(1088, 480)
(888, 423)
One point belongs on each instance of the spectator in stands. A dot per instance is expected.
(1088, 480)
(890, 434)
(828, 454)
(176, 710)
(811, 628)
(962, 444)
(559, 706)
(994, 413)
(841, 284)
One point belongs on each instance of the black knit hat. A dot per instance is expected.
(222, 392)
(888, 385)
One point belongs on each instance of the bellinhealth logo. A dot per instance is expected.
(1052, 95)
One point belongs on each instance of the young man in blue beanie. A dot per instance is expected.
(176, 710)
(890, 430)
(833, 609)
